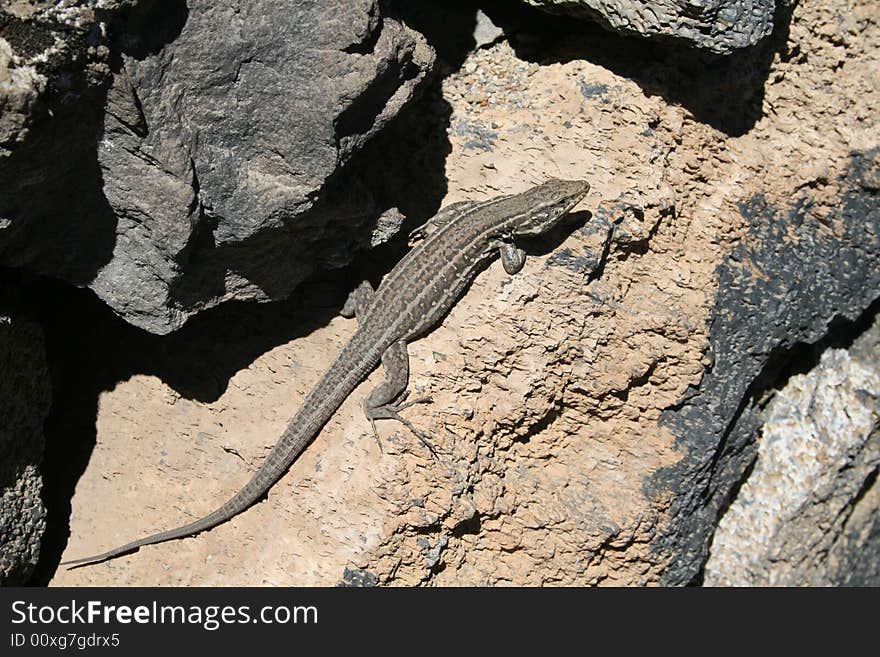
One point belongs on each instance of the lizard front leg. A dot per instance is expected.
(512, 257)
(443, 217)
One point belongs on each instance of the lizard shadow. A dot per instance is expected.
(547, 243)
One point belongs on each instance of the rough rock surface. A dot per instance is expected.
(24, 404)
(209, 176)
(786, 283)
(54, 65)
(595, 413)
(720, 26)
(809, 513)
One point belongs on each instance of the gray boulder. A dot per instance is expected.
(217, 171)
(809, 513)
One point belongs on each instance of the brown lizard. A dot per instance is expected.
(412, 299)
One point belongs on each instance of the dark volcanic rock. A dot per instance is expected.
(720, 26)
(791, 279)
(54, 65)
(24, 404)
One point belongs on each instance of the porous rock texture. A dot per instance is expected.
(595, 414)
(202, 170)
(54, 66)
(24, 404)
(720, 26)
(809, 512)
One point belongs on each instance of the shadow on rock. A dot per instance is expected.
(725, 92)
(91, 351)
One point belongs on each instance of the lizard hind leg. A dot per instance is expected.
(387, 399)
(359, 301)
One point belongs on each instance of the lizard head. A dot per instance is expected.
(548, 203)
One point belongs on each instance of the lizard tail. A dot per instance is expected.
(291, 445)
(302, 429)
(193, 528)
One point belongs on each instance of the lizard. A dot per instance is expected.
(451, 248)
